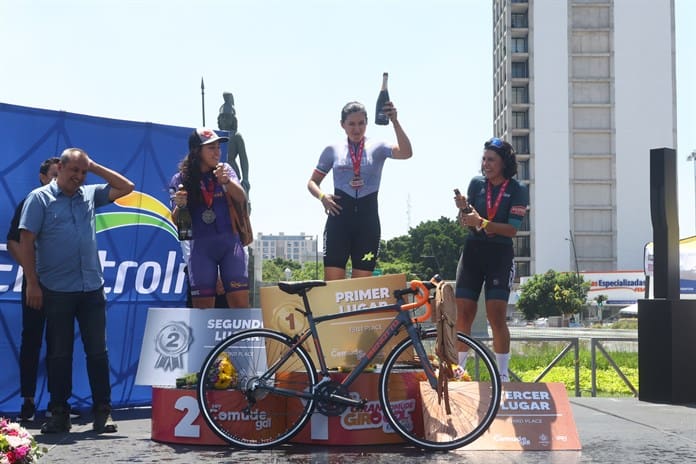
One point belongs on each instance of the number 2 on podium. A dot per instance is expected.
(186, 427)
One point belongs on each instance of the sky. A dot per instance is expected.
(291, 66)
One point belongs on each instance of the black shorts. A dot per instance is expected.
(353, 234)
(492, 263)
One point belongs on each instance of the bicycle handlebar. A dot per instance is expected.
(421, 292)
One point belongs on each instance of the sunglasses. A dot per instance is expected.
(495, 142)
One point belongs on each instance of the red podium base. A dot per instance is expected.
(177, 419)
(532, 416)
(362, 427)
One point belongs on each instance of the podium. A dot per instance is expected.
(532, 417)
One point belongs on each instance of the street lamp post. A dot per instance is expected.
(575, 254)
(692, 157)
(575, 258)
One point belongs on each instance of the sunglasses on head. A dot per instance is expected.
(494, 142)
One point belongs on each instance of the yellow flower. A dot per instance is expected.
(223, 375)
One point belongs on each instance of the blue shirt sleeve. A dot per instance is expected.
(33, 213)
(101, 194)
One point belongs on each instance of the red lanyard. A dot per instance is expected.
(492, 209)
(208, 191)
(356, 157)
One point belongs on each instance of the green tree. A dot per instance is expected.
(396, 249)
(310, 271)
(274, 269)
(600, 299)
(398, 267)
(570, 293)
(552, 294)
(432, 247)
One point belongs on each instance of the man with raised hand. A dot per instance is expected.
(58, 250)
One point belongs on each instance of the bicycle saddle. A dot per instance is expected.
(295, 288)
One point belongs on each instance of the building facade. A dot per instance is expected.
(300, 248)
(583, 89)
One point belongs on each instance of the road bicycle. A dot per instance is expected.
(258, 388)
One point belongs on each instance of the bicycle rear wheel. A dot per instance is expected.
(411, 404)
(250, 388)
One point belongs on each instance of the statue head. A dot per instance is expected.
(227, 119)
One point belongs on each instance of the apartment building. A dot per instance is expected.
(583, 89)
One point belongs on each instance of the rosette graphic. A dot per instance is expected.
(171, 343)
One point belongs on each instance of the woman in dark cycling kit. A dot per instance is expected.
(352, 228)
(499, 204)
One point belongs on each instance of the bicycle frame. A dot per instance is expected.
(402, 319)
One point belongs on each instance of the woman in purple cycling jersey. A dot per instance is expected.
(216, 249)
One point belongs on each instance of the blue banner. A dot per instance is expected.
(137, 242)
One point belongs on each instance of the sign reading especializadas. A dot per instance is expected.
(620, 287)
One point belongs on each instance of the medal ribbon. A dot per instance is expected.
(208, 190)
(492, 209)
(356, 158)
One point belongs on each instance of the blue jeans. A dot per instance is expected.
(61, 309)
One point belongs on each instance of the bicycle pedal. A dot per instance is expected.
(349, 401)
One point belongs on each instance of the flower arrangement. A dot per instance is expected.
(17, 446)
(222, 374)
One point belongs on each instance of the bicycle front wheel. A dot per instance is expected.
(251, 389)
(411, 404)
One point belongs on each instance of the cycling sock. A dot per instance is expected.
(462, 358)
(503, 360)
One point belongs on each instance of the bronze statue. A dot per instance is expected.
(227, 120)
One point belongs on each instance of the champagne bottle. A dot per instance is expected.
(183, 221)
(465, 210)
(380, 117)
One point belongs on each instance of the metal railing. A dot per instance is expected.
(573, 343)
(595, 344)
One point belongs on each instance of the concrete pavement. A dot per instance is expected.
(611, 430)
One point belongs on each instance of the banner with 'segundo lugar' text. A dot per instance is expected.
(136, 239)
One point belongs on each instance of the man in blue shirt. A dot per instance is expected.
(58, 249)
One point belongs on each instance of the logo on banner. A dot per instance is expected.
(154, 214)
(171, 343)
(158, 276)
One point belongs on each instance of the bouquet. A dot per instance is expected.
(222, 374)
(17, 446)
